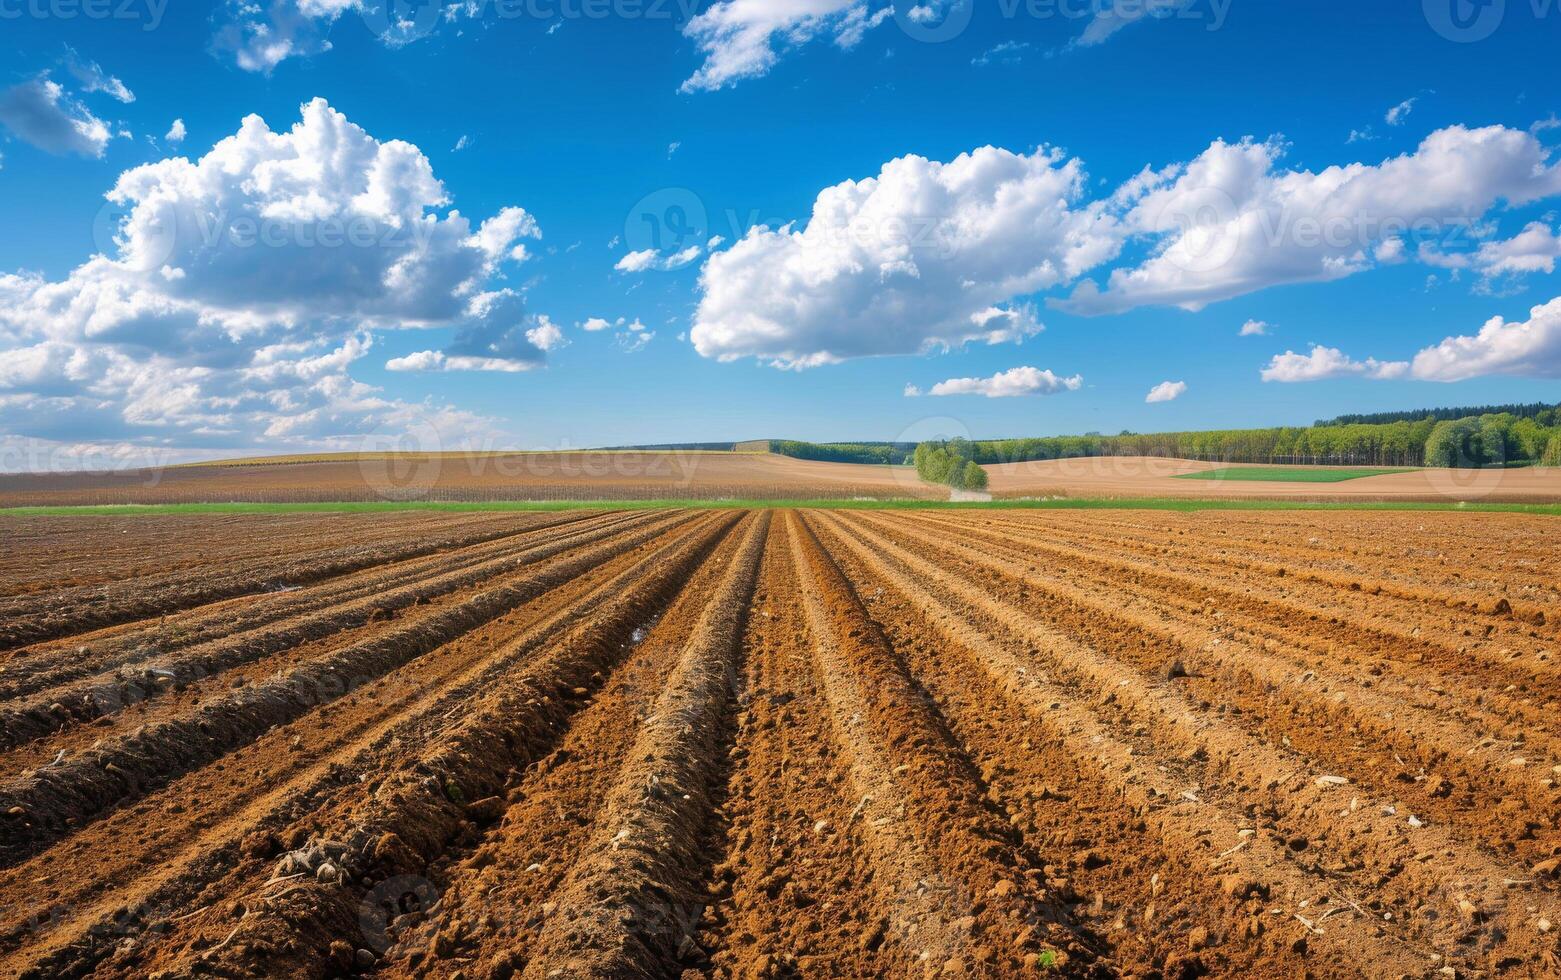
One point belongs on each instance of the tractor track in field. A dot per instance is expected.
(735, 744)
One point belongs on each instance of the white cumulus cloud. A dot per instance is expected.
(240, 287)
(92, 78)
(1534, 249)
(261, 34)
(1323, 363)
(646, 260)
(41, 113)
(1254, 328)
(1526, 348)
(1231, 222)
(1529, 348)
(922, 256)
(1396, 115)
(1166, 391)
(1013, 383)
(739, 38)
(176, 133)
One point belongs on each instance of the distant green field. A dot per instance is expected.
(1288, 474)
(1075, 503)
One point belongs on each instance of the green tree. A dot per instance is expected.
(974, 477)
(1552, 453)
(1454, 444)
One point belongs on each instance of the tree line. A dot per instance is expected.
(887, 453)
(1546, 415)
(1528, 435)
(1501, 439)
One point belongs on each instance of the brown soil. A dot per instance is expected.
(1144, 476)
(529, 476)
(816, 744)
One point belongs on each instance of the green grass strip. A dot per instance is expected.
(1078, 503)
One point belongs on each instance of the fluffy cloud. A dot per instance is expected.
(925, 255)
(1534, 249)
(1329, 362)
(630, 336)
(635, 338)
(546, 335)
(738, 37)
(646, 260)
(1531, 348)
(1230, 223)
(1013, 383)
(243, 285)
(1166, 391)
(498, 335)
(41, 113)
(261, 34)
(92, 78)
(1396, 115)
(1254, 328)
(176, 133)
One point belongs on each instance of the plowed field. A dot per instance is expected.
(756, 744)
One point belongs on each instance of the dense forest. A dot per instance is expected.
(893, 453)
(1480, 440)
(1546, 415)
(1519, 435)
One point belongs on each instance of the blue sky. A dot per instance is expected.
(1005, 167)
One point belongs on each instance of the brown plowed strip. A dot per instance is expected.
(1140, 863)
(1508, 660)
(1456, 552)
(632, 906)
(35, 668)
(1198, 837)
(48, 801)
(109, 692)
(1374, 732)
(73, 741)
(73, 611)
(789, 900)
(51, 555)
(1365, 845)
(68, 907)
(964, 893)
(417, 812)
(1420, 630)
(497, 900)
